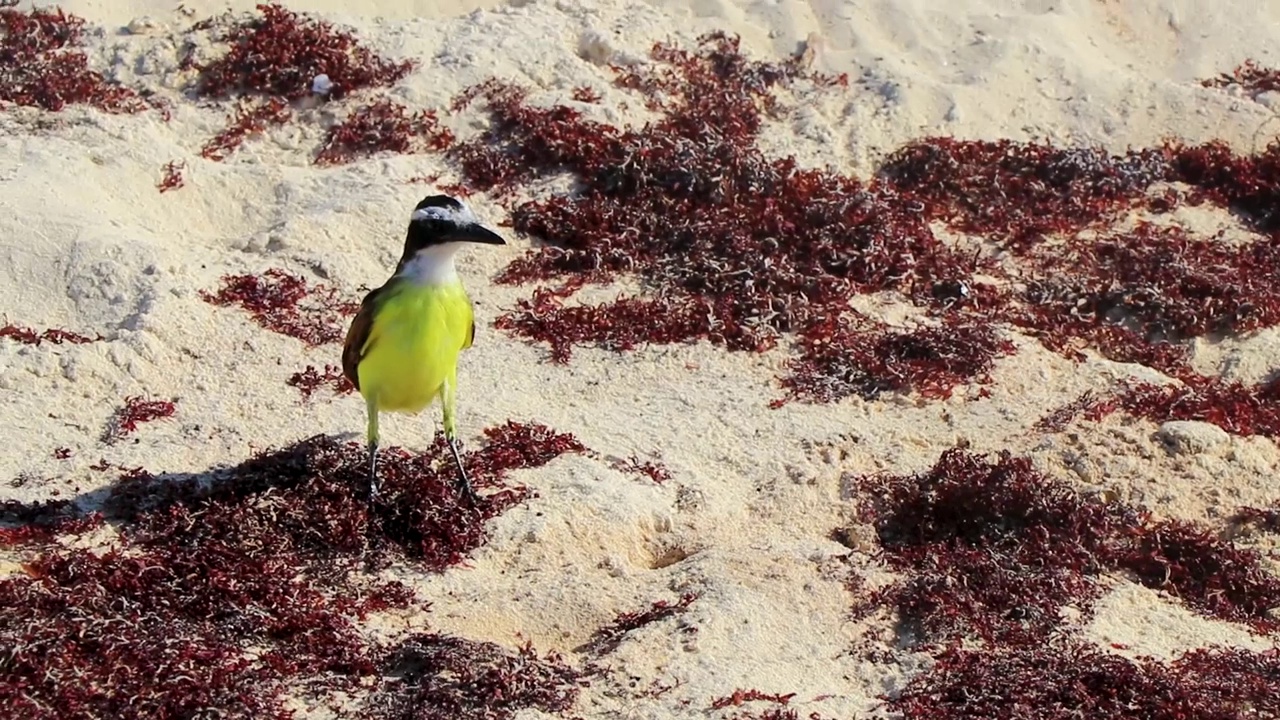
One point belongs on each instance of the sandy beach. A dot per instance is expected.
(753, 508)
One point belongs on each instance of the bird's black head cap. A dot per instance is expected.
(441, 220)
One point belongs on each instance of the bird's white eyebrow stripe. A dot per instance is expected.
(457, 216)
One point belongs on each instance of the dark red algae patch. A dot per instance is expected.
(279, 53)
(741, 249)
(136, 411)
(284, 303)
(172, 178)
(310, 380)
(384, 125)
(996, 550)
(273, 59)
(227, 594)
(28, 336)
(1238, 408)
(1016, 192)
(1250, 75)
(1064, 680)
(988, 549)
(844, 357)
(738, 247)
(42, 65)
(1266, 519)
(607, 638)
(41, 522)
(445, 678)
(1206, 572)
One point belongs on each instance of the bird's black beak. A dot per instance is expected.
(476, 234)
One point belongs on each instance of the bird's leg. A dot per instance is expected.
(464, 482)
(451, 435)
(372, 435)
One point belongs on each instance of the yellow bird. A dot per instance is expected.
(402, 349)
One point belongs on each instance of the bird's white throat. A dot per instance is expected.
(433, 265)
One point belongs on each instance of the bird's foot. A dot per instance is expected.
(373, 472)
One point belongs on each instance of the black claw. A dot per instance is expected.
(464, 482)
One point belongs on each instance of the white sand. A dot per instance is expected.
(89, 244)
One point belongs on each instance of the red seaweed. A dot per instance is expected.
(230, 591)
(136, 410)
(27, 336)
(382, 126)
(278, 54)
(310, 380)
(284, 303)
(1250, 75)
(42, 66)
(607, 638)
(1060, 679)
(995, 550)
(172, 179)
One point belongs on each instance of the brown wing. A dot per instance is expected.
(361, 326)
(471, 336)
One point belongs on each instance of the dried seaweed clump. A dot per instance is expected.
(443, 678)
(380, 126)
(1249, 184)
(1208, 573)
(57, 336)
(284, 303)
(1236, 407)
(274, 59)
(738, 248)
(990, 549)
(279, 53)
(865, 358)
(1250, 75)
(40, 523)
(1137, 296)
(228, 596)
(995, 550)
(1063, 679)
(136, 410)
(310, 380)
(249, 118)
(42, 66)
(1019, 193)
(607, 638)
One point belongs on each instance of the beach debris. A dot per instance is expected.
(321, 84)
(595, 47)
(285, 303)
(57, 336)
(42, 65)
(607, 638)
(310, 380)
(383, 125)
(277, 58)
(740, 697)
(1251, 76)
(279, 552)
(172, 178)
(136, 411)
(990, 548)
